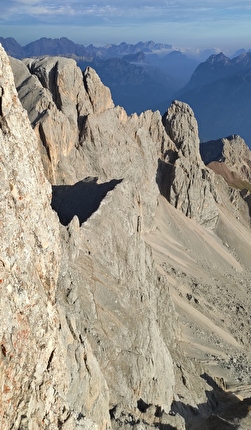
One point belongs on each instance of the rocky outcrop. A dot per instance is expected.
(41, 361)
(230, 158)
(56, 106)
(232, 151)
(80, 132)
(58, 101)
(189, 185)
(30, 257)
(237, 156)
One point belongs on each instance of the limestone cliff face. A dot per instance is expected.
(96, 301)
(30, 257)
(190, 186)
(237, 155)
(38, 352)
(58, 101)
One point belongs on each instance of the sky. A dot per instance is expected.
(225, 24)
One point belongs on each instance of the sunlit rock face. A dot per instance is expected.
(30, 258)
(190, 186)
(40, 358)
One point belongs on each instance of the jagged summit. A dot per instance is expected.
(137, 313)
(218, 58)
(219, 93)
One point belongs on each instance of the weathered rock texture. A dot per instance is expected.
(190, 186)
(30, 257)
(41, 362)
(114, 314)
(230, 159)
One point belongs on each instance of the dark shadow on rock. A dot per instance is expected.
(164, 177)
(223, 410)
(81, 199)
(211, 151)
(246, 195)
(142, 405)
(164, 427)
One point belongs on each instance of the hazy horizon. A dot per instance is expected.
(222, 24)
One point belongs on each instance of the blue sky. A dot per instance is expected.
(182, 23)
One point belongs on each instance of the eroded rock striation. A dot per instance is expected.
(190, 186)
(112, 308)
(37, 345)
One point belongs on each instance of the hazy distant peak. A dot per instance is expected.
(239, 52)
(176, 54)
(138, 57)
(12, 46)
(243, 60)
(220, 58)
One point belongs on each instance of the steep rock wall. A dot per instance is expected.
(39, 354)
(190, 186)
(30, 256)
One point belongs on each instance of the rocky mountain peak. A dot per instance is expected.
(181, 126)
(191, 184)
(99, 95)
(218, 58)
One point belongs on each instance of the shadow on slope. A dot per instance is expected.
(212, 154)
(223, 410)
(81, 199)
(212, 151)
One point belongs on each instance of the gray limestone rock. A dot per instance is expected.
(42, 361)
(190, 186)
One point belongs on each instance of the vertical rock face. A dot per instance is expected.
(55, 99)
(58, 100)
(111, 282)
(182, 128)
(41, 362)
(29, 259)
(190, 186)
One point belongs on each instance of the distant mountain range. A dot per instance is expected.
(65, 47)
(137, 87)
(149, 75)
(219, 92)
(139, 75)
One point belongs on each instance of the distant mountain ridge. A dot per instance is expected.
(66, 47)
(218, 67)
(219, 93)
(138, 77)
(12, 47)
(149, 75)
